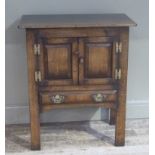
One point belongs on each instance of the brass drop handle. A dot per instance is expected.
(99, 97)
(57, 99)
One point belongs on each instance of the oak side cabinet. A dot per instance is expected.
(77, 61)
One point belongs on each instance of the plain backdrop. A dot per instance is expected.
(16, 65)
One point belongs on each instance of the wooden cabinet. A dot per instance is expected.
(77, 61)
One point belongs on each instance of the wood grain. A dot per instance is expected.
(48, 107)
(75, 20)
(121, 110)
(112, 120)
(57, 54)
(47, 88)
(58, 60)
(73, 97)
(33, 93)
(78, 32)
(100, 60)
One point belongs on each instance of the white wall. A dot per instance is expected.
(16, 69)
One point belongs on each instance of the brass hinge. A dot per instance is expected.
(117, 74)
(37, 49)
(37, 76)
(118, 47)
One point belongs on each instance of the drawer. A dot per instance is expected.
(75, 97)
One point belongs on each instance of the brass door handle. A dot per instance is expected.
(99, 97)
(57, 99)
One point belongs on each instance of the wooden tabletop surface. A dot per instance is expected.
(75, 20)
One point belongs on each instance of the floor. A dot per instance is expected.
(79, 138)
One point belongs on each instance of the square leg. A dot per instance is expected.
(122, 85)
(33, 93)
(120, 122)
(35, 133)
(112, 116)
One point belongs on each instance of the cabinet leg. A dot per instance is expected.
(33, 92)
(122, 83)
(112, 117)
(35, 131)
(120, 126)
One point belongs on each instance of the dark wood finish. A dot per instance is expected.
(75, 97)
(77, 88)
(112, 120)
(79, 32)
(54, 51)
(81, 20)
(33, 93)
(48, 107)
(99, 56)
(81, 62)
(121, 110)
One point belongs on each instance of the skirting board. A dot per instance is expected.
(20, 114)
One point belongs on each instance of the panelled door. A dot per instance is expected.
(73, 61)
(98, 60)
(57, 61)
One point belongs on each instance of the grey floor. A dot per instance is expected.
(79, 138)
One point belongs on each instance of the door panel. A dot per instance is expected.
(55, 55)
(58, 63)
(99, 60)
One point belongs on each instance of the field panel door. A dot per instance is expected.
(57, 61)
(97, 60)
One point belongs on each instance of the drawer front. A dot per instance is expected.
(75, 97)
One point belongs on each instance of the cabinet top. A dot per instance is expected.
(75, 20)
